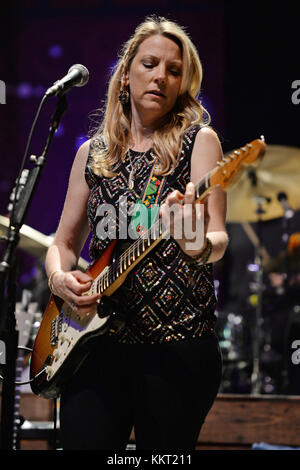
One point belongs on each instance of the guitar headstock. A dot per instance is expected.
(230, 167)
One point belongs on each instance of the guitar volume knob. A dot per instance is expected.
(49, 372)
(62, 337)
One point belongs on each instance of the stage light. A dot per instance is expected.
(55, 51)
(24, 90)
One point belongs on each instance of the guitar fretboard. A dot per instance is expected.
(137, 249)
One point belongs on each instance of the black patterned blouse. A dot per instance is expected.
(161, 298)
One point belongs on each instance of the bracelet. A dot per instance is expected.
(201, 258)
(51, 277)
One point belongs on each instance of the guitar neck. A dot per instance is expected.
(126, 261)
(225, 172)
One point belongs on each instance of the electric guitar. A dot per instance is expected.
(62, 342)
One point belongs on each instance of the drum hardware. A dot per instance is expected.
(257, 286)
(269, 191)
(257, 289)
(264, 358)
(232, 337)
(277, 172)
(34, 242)
(286, 265)
(257, 328)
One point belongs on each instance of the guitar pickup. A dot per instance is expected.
(56, 328)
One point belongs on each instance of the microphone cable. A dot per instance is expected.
(29, 139)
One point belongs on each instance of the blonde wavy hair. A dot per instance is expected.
(187, 112)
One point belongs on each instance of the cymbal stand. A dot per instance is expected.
(258, 323)
(8, 332)
(288, 215)
(287, 219)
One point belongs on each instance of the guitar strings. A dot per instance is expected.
(125, 259)
(105, 279)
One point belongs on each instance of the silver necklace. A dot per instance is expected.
(131, 177)
(131, 173)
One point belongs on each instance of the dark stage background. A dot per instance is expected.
(249, 52)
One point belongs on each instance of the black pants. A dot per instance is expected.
(165, 391)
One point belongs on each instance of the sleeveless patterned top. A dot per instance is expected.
(161, 298)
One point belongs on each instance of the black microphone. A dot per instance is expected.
(288, 211)
(78, 75)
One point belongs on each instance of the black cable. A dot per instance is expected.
(33, 378)
(54, 423)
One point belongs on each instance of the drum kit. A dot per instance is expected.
(269, 191)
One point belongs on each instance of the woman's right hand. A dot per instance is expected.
(73, 288)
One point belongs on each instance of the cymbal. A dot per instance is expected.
(278, 171)
(32, 241)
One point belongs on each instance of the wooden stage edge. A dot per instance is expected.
(239, 421)
(234, 421)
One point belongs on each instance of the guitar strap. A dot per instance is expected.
(146, 207)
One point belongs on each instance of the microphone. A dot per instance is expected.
(77, 75)
(288, 212)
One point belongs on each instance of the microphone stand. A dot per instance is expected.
(8, 332)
